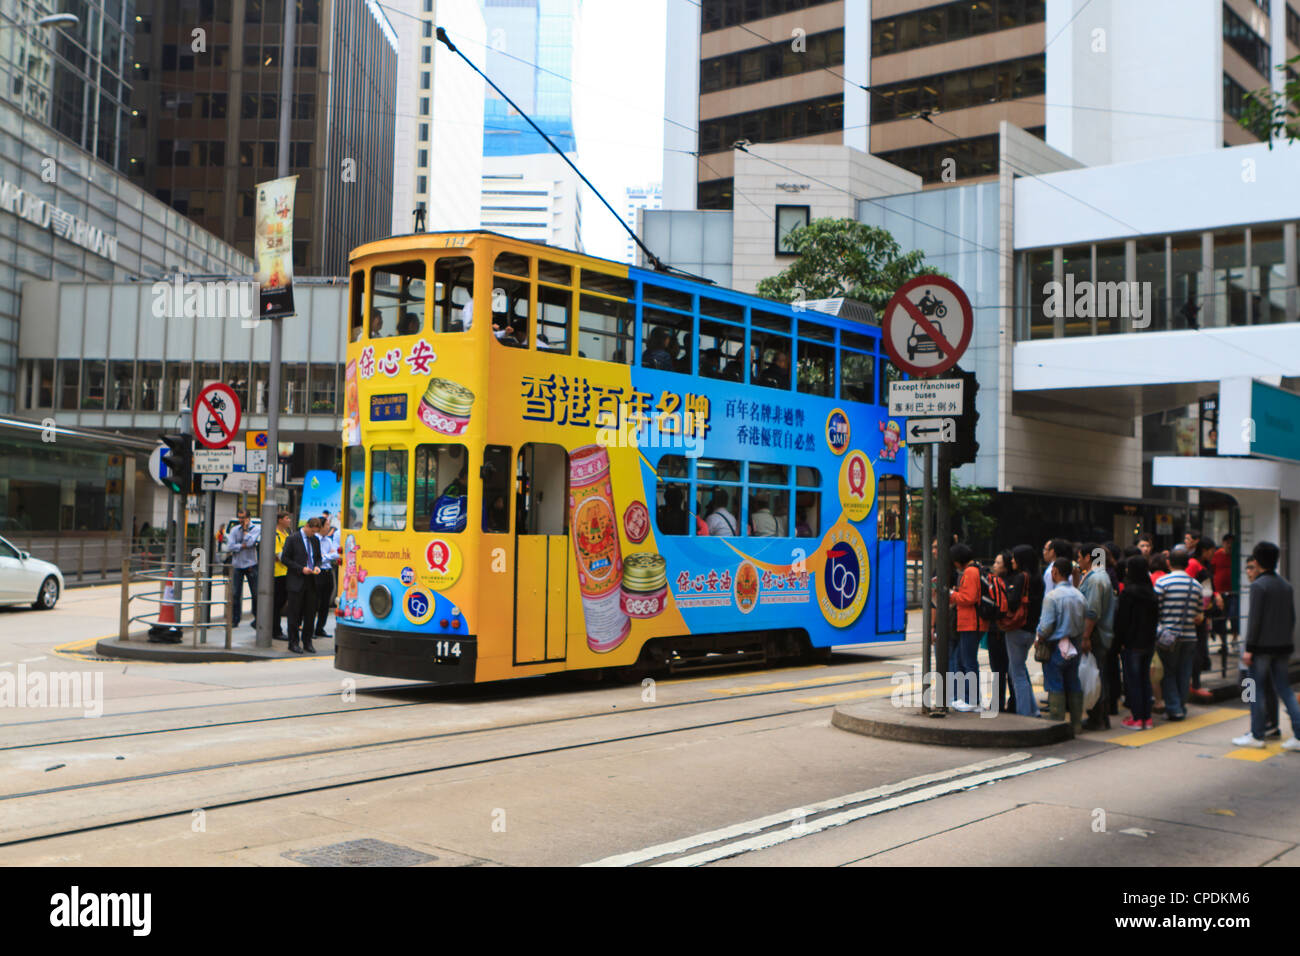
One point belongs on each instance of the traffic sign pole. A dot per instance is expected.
(927, 572)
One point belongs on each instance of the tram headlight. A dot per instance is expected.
(381, 601)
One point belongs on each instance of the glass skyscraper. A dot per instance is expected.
(521, 33)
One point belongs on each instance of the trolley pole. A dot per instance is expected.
(266, 552)
(927, 572)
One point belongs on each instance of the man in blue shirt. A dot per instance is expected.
(243, 544)
(1061, 625)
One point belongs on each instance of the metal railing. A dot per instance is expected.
(205, 591)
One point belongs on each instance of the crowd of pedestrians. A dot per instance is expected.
(1143, 618)
(306, 562)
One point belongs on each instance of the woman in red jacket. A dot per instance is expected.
(964, 659)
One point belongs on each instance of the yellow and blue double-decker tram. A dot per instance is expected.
(557, 462)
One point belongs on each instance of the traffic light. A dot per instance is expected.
(179, 460)
(963, 451)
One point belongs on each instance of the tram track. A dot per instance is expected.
(304, 761)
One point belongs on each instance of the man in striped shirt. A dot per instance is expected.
(1180, 600)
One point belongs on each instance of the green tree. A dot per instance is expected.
(1269, 113)
(841, 257)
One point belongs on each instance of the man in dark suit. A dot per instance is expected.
(302, 557)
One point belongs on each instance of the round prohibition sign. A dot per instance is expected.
(216, 415)
(926, 334)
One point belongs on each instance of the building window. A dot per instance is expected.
(422, 184)
(774, 124)
(426, 55)
(424, 80)
(789, 218)
(772, 62)
(714, 194)
(424, 160)
(716, 14)
(1234, 104)
(428, 28)
(988, 83)
(1238, 34)
(1293, 26)
(952, 21)
(424, 106)
(977, 156)
(424, 132)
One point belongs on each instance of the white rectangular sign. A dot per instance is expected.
(931, 431)
(255, 460)
(213, 461)
(210, 482)
(926, 396)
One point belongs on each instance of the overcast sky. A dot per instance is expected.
(618, 102)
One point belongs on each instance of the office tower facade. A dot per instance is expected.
(207, 107)
(530, 50)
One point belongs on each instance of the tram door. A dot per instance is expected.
(543, 560)
(891, 550)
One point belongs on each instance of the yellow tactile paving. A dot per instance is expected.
(1166, 729)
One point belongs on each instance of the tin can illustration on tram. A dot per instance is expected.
(446, 406)
(594, 525)
(645, 584)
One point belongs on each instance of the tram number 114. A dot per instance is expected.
(446, 650)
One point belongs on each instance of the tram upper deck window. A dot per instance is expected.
(667, 340)
(396, 299)
(441, 488)
(357, 307)
(510, 297)
(816, 367)
(387, 489)
(857, 376)
(888, 373)
(605, 324)
(453, 292)
(771, 360)
(722, 351)
(554, 305)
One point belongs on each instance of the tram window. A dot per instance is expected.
(541, 490)
(555, 273)
(354, 485)
(857, 376)
(772, 361)
(760, 474)
(672, 466)
(816, 331)
(722, 310)
(671, 515)
(891, 518)
(357, 307)
(553, 307)
(387, 489)
(717, 469)
(807, 513)
(857, 341)
(769, 513)
(511, 264)
(768, 320)
(510, 312)
(440, 486)
(496, 489)
(667, 340)
(719, 504)
(396, 299)
(607, 284)
(888, 373)
(453, 278)
(816, 369)
(722, 351)
(652, 294)
(605, 329)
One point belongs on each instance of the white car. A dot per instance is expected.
(28, 580)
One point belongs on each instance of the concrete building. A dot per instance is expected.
(440, 118)
(535, 197)
(206, 118)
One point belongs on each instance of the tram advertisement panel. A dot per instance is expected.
(690, 505)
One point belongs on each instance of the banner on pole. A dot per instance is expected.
(273, 247)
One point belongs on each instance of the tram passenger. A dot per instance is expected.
(721, 522)
(711, 363)
(761, 522)
(777, 374)
(672, 517)
(685, 350)
(658, 356)
(376, 324)
(408, 323)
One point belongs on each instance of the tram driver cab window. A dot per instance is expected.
(541, 489)
(396, 299)
(441, 486)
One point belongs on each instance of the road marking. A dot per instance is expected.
(848, 695)
(1141, 738)
(766, 840)
(775, 819)
(810, 682)
(1255, 753)
(29, 660)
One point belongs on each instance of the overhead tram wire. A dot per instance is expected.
(659, 264)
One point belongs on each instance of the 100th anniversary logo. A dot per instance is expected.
(845, 577)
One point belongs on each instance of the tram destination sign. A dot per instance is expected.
(927, 396)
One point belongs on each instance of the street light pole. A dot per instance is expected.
(266, 554)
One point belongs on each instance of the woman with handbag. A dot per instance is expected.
(1136, 616)
(1025, 604)
(965, 597)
